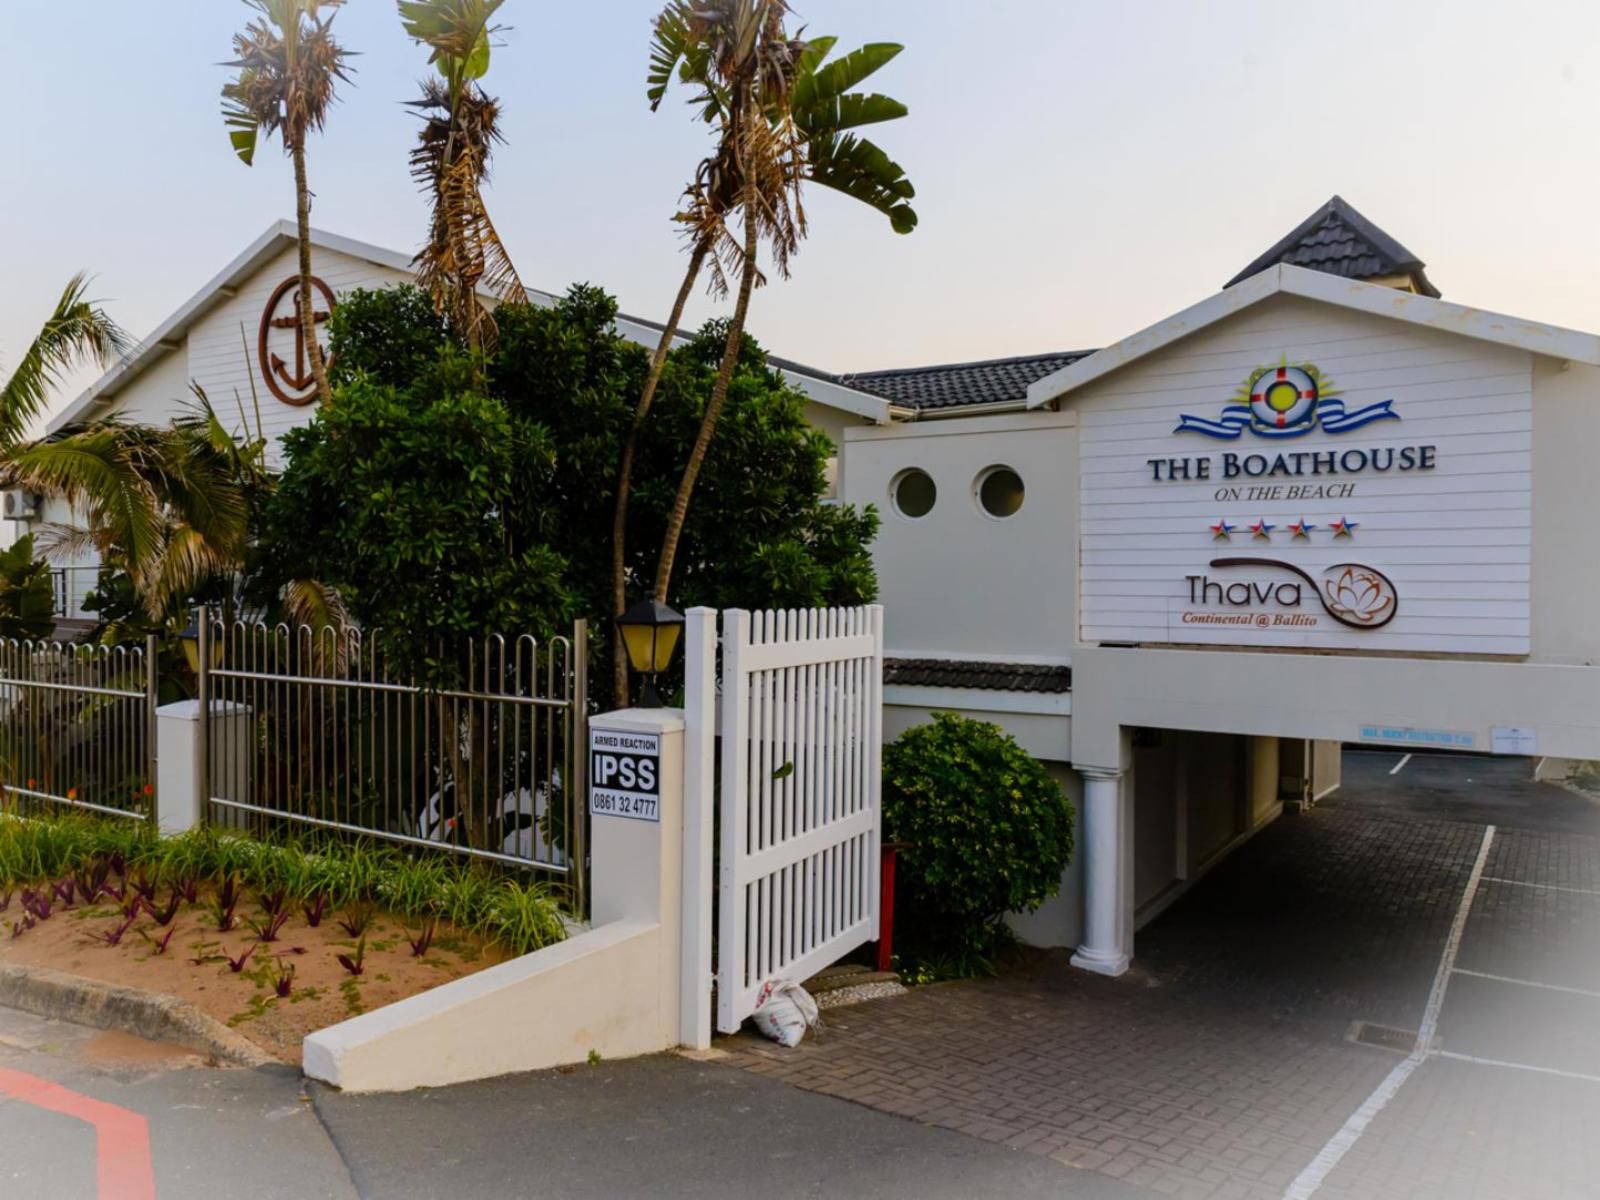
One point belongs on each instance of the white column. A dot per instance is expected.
(699, 802)
(180, 806)
(1107, 847)
(636, 866)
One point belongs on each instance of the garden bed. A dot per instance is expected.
(275, 941)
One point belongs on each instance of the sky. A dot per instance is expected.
(1083, 169)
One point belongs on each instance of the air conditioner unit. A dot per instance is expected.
(21, 505)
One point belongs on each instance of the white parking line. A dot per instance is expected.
(1496, 1062)
(1549, 887)
(1400, 764)
(1533, 983)
(1306, 1184)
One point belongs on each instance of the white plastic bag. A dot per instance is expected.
(785, 1011)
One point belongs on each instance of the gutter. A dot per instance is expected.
(958, 410)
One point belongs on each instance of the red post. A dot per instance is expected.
(886, 906)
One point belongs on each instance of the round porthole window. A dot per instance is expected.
(1000, 491)
(913, 493)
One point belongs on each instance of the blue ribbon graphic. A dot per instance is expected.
(1331, 415)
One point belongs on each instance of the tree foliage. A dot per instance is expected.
(986, 830)
(443, 500)
(27, 598)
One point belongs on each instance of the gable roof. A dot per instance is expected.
(819, 386)
(1549, 340)
(951, 385)
(1339, 240)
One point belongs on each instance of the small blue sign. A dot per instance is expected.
(1405, 735)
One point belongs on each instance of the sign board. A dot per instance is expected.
(1316, 479)
(1406, 735)
(1514, 739)
(625, 774)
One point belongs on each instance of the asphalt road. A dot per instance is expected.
(663, 1126)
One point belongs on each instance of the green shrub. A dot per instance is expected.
(987, 832)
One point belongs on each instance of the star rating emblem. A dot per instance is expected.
(1221, 530)
(1344, 527)
(1301, 529)
(1262, 528)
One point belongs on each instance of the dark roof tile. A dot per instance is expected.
(988, 676)
(1339, 240)
(952, 385)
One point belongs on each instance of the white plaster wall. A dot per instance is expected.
(957, 581)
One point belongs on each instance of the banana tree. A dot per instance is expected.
(450, 162)
(784, 117)
(289, 66)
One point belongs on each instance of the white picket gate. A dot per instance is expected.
(802, 714)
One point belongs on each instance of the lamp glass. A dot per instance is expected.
(640, 642)
(666, 645)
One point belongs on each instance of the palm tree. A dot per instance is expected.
(76, 332)
(170, 507)
(289, 67)
(451, 164)
(783, 116)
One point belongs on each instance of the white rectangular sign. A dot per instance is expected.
(1331, 481)
(1514, 739)
(625, 774)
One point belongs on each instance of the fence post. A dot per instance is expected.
(577, 800)
(151, 701)
(202, 737)
(735, 759)
(699, 799)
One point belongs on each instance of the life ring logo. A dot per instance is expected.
(1288, 400)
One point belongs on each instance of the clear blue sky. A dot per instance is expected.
(1083, 169)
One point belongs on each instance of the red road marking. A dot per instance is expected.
(123, 1170)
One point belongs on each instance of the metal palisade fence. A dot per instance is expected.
(77, 725)
(801, 725)
(312, 727)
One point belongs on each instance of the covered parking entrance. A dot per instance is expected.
(1266, 1041)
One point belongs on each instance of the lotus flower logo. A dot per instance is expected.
(1358, 596)
(1353, 594)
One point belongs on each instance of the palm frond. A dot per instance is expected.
(76, 332)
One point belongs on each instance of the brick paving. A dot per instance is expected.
(1220, 1065)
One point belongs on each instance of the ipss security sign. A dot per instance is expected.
(625, 774)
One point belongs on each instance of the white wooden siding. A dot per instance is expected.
(223, 361)
(1455, 540)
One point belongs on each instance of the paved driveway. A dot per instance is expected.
(1223, 1065)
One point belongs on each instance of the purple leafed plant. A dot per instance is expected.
(38, 905)
(119, 865)
(283, 980)
(189, 888)
(132, 902)
(422, 939)
(18, 928)
(92, 880)
(113, 937)
(272, 902)
(354, 963)
(267, 926)
(314, 909)
(160, 947)
(356, 920)
(65, 890)
(144, 885)
(163, 916)
(237, 964)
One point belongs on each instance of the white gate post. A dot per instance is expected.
(180, 782)
(699, 800)
(735, 761)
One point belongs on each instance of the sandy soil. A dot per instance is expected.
(322, 991)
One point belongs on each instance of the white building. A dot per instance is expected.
(237, 339)
(1321, 506)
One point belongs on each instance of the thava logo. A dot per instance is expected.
(1286, 401)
